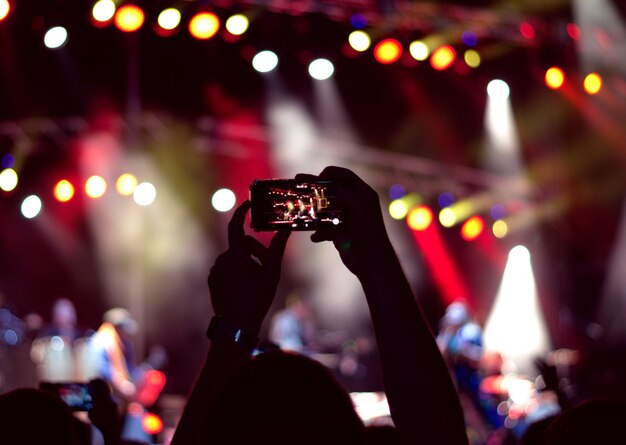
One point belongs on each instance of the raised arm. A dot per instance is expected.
(422, 398)
(242, 284)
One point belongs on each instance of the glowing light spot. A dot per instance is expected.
(398, 209)
(420, 218)
(527, 30)
(592, 83)
(10, 337)
(500, 229)
(497, 211)
(419, 50)
(151, 423)
(498, 89)
(204, 25)
(359, 40)
(321, 69)
(469, 38)
(63, 190)
(358, 21)
(129, 18)
(472, 58)
(95, 186)
(31, 206)
(169, 18)
(5, 8)
(397, 191)
(126, 184)
(223, 200)
(55, 37)
(447, 217)
(237, 24)
(265, 61)
(554, 78)
(103, 10)
(8, 161)
(443, 58)
(472, 228)
(336, 221)
(445, 199)
(388, 51)
(8, 179)
(144, 194)
(573, 31)
(57, 344)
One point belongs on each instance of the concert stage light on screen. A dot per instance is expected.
(126, 184)
(129, 18)
(237, 24)
(63, 190)
(8, 179)
(359, 40)
(472, 228)
(31, 206)
(144, 194)
(388, 51)
(321, 69)
(5, 8)
(204, 25)
(443, 58)
(151, 423)
(420, 218)
(55, 37)
(95, 186)
(515, 326)
(592, 83)
(265, 61)
(223, 200)
(500, 229)
(554, 78)
(419, 50)
(498, 89)
(103, 10)
(472, 58)
(169, 19)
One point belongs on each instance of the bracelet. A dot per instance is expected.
(220, 330)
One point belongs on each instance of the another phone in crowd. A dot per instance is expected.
(75, 394)
(296, 205)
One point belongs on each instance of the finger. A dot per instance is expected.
(275, 253)
(322, 235)
(304, 177)
(256, 248)
(236, 233)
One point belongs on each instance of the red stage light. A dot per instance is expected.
(472, 228)
(527, 30)
(443, 58)
(129, 18)
(388, 51)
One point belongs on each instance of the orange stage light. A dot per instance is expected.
(151, 423)
(420, 218)
(129, 18)
(204, 25)
(443, 57)
(554, 78)
(472, 228)
(63, 190)
(388, 51)
(592, 83)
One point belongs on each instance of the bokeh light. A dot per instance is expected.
(169, 18)
(8, 179)
(497, 211)
(472, 58)
(500, 229)
(420, 218)
(592, 83)
(398, 209)
(419, 50)
(144, 194)
(55, 37)
(443, 58)
(472, 228)
(498, 89)
(223, 200)
(126, 184)
(265, 61)
(527, 30)
(237, 24)
(447, 217)
(129, 18)
(103, 10)
(8, 161)
(469, 38)
(359, 40)
(5, 8)
(321, 69)
(151, 423)
(63, 190)
(397, 191)
(204, 25)
(388, 51)
(554, 78)
(31, 206)
(95, 186)
(445, 199)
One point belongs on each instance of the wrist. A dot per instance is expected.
(222, 331)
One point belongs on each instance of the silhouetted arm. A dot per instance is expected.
(242, 284)
(422, 398)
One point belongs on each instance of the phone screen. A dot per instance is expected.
(285, 203)
(76, 395)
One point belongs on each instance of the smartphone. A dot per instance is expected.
(296, 205)
(76, 395)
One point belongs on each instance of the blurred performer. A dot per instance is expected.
(292, 327)
(58, 351)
